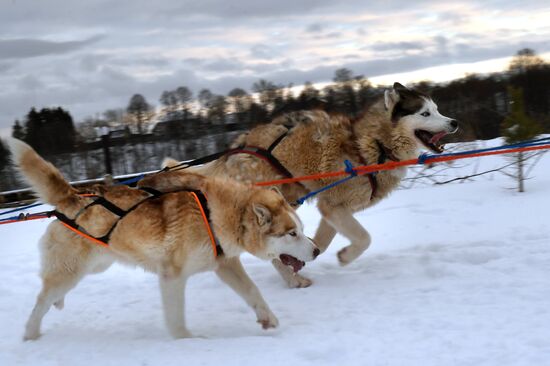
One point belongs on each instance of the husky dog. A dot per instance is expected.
(395, 128)
(165, 234)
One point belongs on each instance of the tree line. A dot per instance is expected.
(481, 102)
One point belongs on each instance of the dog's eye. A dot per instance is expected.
(292, 233)
(425, 114)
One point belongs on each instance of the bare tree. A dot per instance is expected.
(139, 109)
(169, 100)
(205, 100)
(267, 91)
(218, 107)
(525, 59)
(240, 101)
(342, 75)
(184, 96)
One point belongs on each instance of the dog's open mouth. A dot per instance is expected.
(431, 140)
(294, 262)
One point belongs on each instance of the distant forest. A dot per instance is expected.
(188, 126)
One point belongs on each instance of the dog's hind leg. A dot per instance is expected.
(231, 272)
(64, 262)
(54, 288)
(343, 221)
(172, 288)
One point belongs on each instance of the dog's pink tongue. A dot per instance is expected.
(435, 138)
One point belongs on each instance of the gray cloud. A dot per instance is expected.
(26, 48)
(219, 44)
(262, 51)
(397, 46)
(314, 28)
(29, 82)
(252, 8)
(5, 66)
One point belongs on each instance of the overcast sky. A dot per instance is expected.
(92, 55)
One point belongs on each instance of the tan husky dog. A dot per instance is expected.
(395, 128)
(166, 235)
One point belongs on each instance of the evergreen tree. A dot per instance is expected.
(3, 155)
(50, 130)
(17, 131)
(517, 127)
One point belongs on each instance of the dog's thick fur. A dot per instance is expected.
(164, 235)
(319, 142)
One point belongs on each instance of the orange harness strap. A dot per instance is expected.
(215, 245)
(199, 197)
(84, 235)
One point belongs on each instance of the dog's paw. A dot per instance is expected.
(59, 304)
(348, 255)
(180, 332)
(292, 279)
(31, 336)
(298, 281)
(271, 322)
(267, 319)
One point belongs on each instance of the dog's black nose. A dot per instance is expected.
(454, 123)
(316, 252)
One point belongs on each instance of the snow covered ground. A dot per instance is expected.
(457, 274)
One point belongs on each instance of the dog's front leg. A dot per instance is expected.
(231, 272)
(292, 279)
(343, 221)
(324, 235)
(172, 289)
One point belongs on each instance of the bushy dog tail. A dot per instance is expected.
(45, 180)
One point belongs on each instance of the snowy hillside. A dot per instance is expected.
(457, 274)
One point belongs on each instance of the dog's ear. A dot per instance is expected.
(397, 93)
(276, 190)
(391, 97)
(400, 88)
(263, 215)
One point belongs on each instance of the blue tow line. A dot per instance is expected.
(131, 180)
(19, 209)
(349, 169)
(422, 160)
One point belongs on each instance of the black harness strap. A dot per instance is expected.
(153, 192)
(71, 222)
(198, 161)
(383, 154)
(109, 206)
(265, 154)
(121, 213)
(279, 139)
